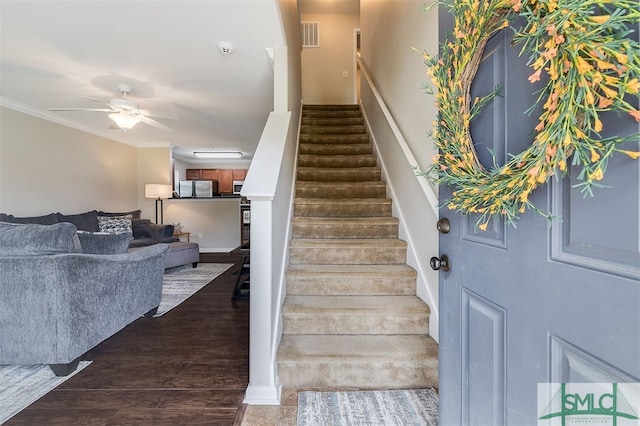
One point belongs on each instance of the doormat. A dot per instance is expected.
(410, 407)
(21, 385)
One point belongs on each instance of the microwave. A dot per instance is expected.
(237, 186)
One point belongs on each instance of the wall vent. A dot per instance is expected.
(310, 34)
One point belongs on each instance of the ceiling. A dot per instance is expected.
(53, 53)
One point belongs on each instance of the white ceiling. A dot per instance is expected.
(52, 53)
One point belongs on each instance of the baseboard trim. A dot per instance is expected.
(262, 395)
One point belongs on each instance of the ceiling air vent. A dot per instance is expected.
(310, 34)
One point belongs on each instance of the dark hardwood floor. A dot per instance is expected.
(188, 367)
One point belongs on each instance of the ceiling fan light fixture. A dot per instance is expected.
(218, 154)
(124, 120)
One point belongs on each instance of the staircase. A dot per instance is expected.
(351, 317)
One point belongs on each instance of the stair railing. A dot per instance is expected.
(269, 187)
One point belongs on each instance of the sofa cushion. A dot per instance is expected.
(143, 228)
(35, 239)
(142, 242)
(135, 214)
(87, 221)
(103, 242)
(115, 224)
(48, 219)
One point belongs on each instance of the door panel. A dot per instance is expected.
(546, 301)
(483, 358)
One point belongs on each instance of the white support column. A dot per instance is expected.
(280, 80)
(262, 389)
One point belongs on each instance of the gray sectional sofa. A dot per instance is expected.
(58, 298)
(142, 232)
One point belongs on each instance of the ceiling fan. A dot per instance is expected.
(125, 113)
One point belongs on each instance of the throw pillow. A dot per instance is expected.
(143, 228)
(135, 214)
(87, 221)
(35, 239)
(48, 219)
(103, 243)
(115, 224)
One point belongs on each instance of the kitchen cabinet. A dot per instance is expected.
(239, 174)
(193, 174)
(225, 177)
(225, 181)
(209, 174)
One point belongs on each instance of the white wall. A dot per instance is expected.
(389, 31)
(213, 223)
(46, 167)
(322, 68)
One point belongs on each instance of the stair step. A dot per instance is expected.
(335, 139)
(335, 149)
(330, 107)
(306, 113)
(362, 362)
(355, 315)
(337, 161)
(311, 120)
(356, 207)
(339, 251)
(346, 280)
(356, 174)
(341, 190)
(333, 130)
(340, 227)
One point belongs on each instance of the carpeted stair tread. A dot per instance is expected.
(353, 138)
(350, 207)
(330, 107)
(347, 251)
(344, 227)
(310, 120)
(335, 149)
(333, 130)
(330, 114)
(360, 361)
(335, 161)
(356, 174)
(341, 190)
(363, 348)
(355, 315)
(345, 280)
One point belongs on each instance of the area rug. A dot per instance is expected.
(372, 408)
(180, 283)
(21, 385)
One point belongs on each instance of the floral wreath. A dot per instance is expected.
(592, 67)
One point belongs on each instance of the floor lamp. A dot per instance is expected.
(158, 192)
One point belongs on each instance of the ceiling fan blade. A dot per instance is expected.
(107, 104)
(156, 124)
(81, 109)
(159, 114)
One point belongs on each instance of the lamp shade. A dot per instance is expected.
(157, 191)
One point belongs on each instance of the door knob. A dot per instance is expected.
(438, 263)
(443, 225)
